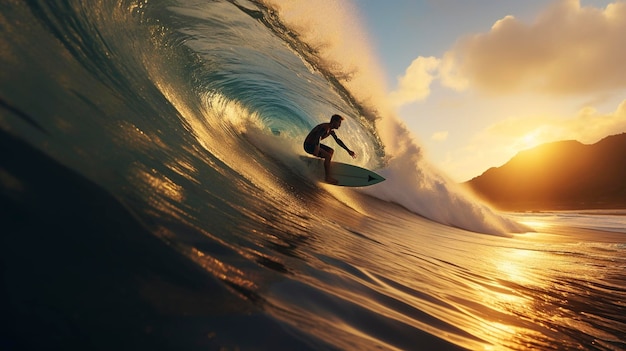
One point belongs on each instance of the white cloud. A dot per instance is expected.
(415, 84)
(568, 49)
(440, 136)
(587, 126)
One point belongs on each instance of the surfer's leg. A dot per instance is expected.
(327, 154)
(310, 148)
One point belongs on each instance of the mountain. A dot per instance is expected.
(559, 176)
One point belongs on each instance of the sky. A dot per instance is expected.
(477, 81)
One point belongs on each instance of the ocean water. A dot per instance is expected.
(153, 198)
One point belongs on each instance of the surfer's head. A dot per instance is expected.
(335, 121)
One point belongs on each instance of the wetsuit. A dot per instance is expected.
(320, 131)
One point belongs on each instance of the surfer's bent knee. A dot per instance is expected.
(310, 148)
(328, 149)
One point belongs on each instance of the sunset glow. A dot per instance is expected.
(530, 140)
(506, 77)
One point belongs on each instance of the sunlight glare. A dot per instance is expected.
(529, 140)
(535, 224)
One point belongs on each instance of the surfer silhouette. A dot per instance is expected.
(312, 144)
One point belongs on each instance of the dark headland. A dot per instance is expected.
(563, 175)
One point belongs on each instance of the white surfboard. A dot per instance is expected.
(347, 175)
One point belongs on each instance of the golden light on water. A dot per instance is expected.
(162, 185)
(160, 192)
(506, 295)
(535, 224)
(515, 265)
(539, 222)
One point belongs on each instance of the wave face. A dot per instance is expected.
(231, 76)
(191, 115)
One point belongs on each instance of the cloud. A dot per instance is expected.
(568, 49)
(516, 134)
(415, 84)
(440, 136)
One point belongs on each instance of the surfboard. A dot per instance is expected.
(347, 175)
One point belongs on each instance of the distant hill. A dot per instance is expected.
(560, 175)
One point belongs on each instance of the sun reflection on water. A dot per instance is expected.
(535, 224)
(510, 294)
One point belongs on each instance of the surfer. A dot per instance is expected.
(312, 144)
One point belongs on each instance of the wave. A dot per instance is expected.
(413, 182)
(228, 73)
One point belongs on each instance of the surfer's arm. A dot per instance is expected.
(340, 143)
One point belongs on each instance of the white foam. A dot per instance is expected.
(414, 184)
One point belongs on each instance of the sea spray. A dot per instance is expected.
(413, 184)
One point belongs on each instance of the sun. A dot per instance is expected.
(529, 140)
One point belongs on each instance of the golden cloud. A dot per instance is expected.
(415, 84)
(568, 49)
(440, 136)
(587, 126)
